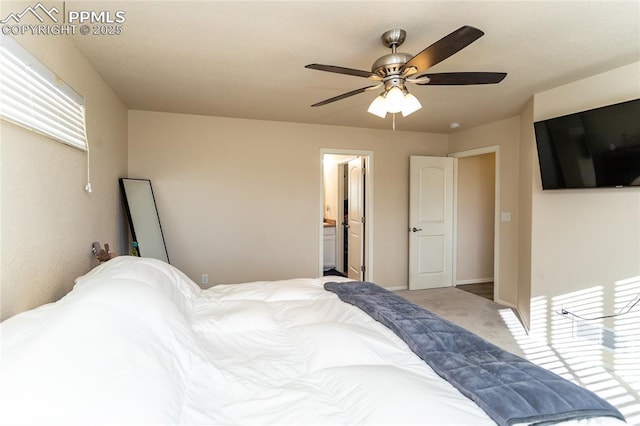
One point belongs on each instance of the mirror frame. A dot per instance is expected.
(132, 226)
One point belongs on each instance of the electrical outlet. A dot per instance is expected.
(205, 279)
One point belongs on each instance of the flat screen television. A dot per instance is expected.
(591, 149)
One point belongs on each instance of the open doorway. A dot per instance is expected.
(476, 222)
(346, 213)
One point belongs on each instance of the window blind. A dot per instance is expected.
(32, 96)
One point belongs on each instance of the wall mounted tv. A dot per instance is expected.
(591, 149)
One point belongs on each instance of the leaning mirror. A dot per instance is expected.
(144, 221)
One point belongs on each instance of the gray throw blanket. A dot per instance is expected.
(507, 387)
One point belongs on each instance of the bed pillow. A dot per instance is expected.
(118, 349)
(161, 276)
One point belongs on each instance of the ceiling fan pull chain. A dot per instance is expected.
(394, 121)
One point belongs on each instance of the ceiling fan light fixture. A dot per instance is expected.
(394, 100)
(410, 104)
(378, 107)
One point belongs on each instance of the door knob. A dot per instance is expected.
(414, 229)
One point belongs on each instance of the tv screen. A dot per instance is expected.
(591, 149)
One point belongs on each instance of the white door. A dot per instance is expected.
(430, 222)
(355, 240)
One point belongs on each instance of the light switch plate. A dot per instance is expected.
(505, 216)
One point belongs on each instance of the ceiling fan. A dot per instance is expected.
(393, 71)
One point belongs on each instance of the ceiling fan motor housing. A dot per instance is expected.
(391, 64)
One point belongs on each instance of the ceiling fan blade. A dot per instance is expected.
(346, 95)
(341, 70)
(462, 78)
(443, 48)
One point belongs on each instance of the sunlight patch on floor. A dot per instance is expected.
(572, 340)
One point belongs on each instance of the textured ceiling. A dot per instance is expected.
(246, 59)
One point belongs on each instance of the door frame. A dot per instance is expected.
(340, 266)
(495, 149)
(368, 207)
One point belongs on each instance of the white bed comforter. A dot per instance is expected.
(138, 343)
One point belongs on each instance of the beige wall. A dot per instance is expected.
(48, 221)
(475, 219)
(241, 200)
(590, 238)
(330, 190)
(506, 135)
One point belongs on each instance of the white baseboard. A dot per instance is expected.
(396, 288)
(474, 281)
(505, 303)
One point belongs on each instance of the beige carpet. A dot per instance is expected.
(479, 315)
